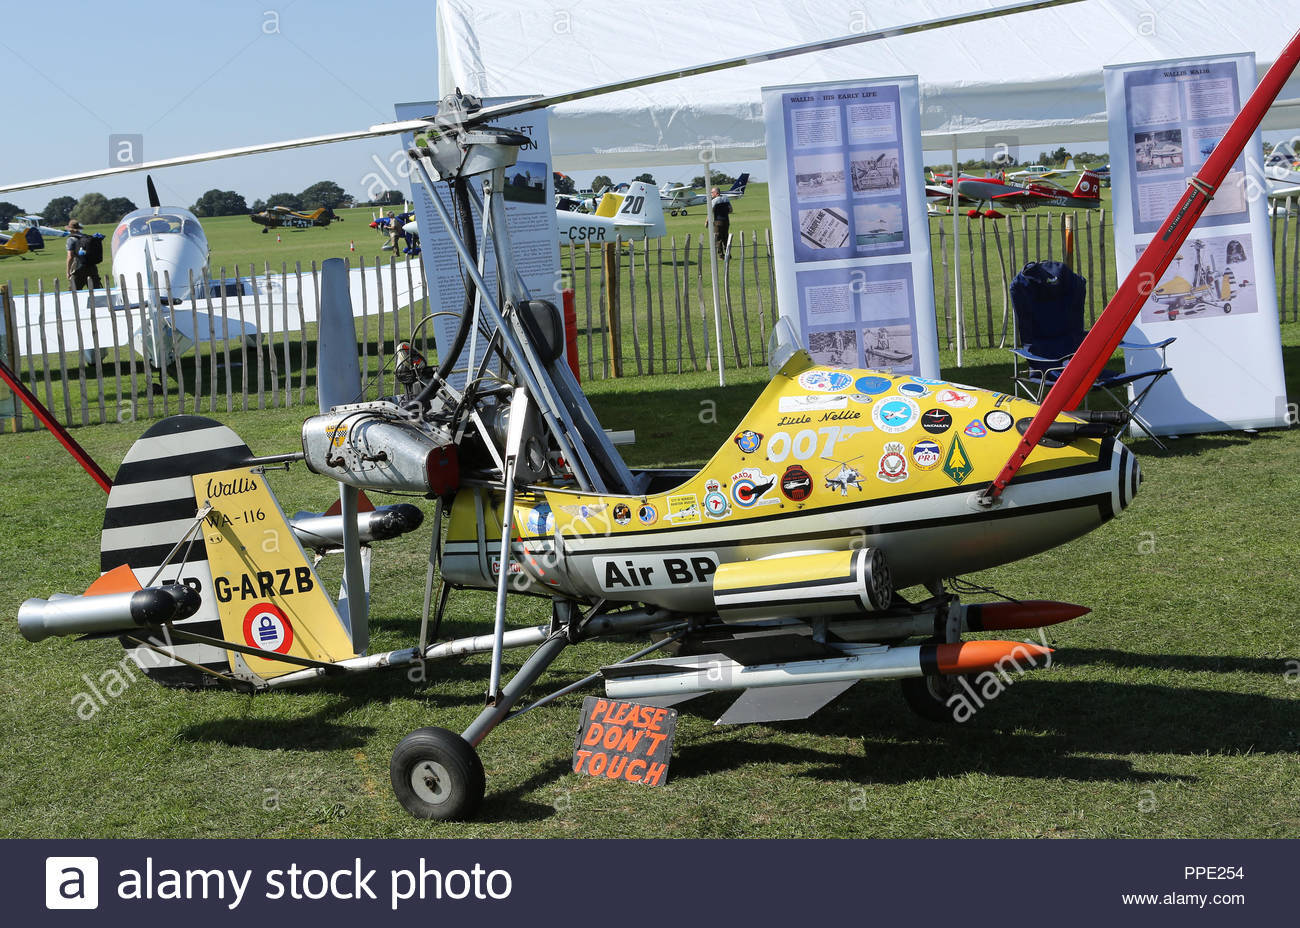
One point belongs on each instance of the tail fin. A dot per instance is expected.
(1069, 165)
(609, 204)
(1089, 185)
(35, 241)
(17, 243)
(738, 188)
(316, 213)
(639, 207)
(257, 587)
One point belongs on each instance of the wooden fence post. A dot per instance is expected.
(943, 263)
(613, 325)
(1101, 250)
(631, 294)
(758, 294)
(975, 310)
(130, 327)
(686, 301)
(699, 295)
(586, 274)
(1087, 238)
(988, 296)
(79, 354)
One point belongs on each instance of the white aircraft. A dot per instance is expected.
(19, 223)
(1042, 171)
(633, 215)
(159, 250)
(677, 199)
(1282, 172)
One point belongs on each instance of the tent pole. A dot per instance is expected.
(713, 264)
(956, 254)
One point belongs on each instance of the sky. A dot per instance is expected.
(190, 77)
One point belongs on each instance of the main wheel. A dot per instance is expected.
(929, 696)
(436, 774)
(1227, 307)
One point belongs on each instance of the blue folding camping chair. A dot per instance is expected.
(1047, 298)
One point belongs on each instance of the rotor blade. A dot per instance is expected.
(339, 378)
(377, 131)
(533, 103)
(153, 192)
(1104, 337)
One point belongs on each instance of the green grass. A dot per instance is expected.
(1170, 711)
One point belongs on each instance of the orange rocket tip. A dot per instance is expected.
(975, 656)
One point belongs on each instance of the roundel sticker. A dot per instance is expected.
(873, 384)
(715, 504)
(914, 390)
(647, 514)
(927, 381)
(926, 454)
(622, 513)
(896, 414)
(999, 420)
(1084, 184)
(957, 399)
(824, 381)
(796, 483)
(267, 627)
(541, 521)
(936, 421)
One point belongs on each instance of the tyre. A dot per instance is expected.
(1227, 307)
(928, 696)
(437, 775)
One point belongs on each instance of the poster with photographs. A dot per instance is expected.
(860, 317)
(851, 242)
(1210, 276)
(1216, 300)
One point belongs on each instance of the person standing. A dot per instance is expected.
(84, 254)
(721, 207)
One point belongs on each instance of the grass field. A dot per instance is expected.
(1171, 711)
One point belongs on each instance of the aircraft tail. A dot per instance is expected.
(640, 206)
(17, 244)
(1089, 185)
(738, 188)
(187, 507)
(1069, 165)
(35, 241)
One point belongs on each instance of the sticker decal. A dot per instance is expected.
(812, 403)
(684, 508)
(975, 429)
(585, 510)
(843, 477)
(751, 487)
(655, 571)
(873, 384)
(648, 514)
(926, 454)
(893, 463)
(715, 504)
(541, 521)
(999, 420)
(957, 399)
(622, 513)
(823, 381)
(896, 414)
(796, 484)
(927, 381)
(749, 441)
(267, 628)
(957, 465)
(915, 390)
(936, 421)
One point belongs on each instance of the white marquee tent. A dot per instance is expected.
(1031, 79)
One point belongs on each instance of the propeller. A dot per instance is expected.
(153, 192)
(488, 113)
(338, 382)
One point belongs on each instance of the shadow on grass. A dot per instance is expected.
(1040, 729)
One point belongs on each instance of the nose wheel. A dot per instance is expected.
(437, 774)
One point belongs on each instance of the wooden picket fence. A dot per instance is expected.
(643, 308)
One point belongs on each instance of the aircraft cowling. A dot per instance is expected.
(173, 258)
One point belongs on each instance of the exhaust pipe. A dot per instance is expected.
(63, 615)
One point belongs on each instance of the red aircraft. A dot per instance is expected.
(987, 191)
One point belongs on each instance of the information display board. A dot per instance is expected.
(1218, 296)
(851, 240)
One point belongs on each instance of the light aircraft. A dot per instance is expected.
(630, 217)
(409, 226)
(677, 199)
(1282, 172)
(1042, 172)
(987, 192)
(19, 223)
(161, 252)
(15, 245)
(1207, 288)
(772, 586)
(281, 217)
